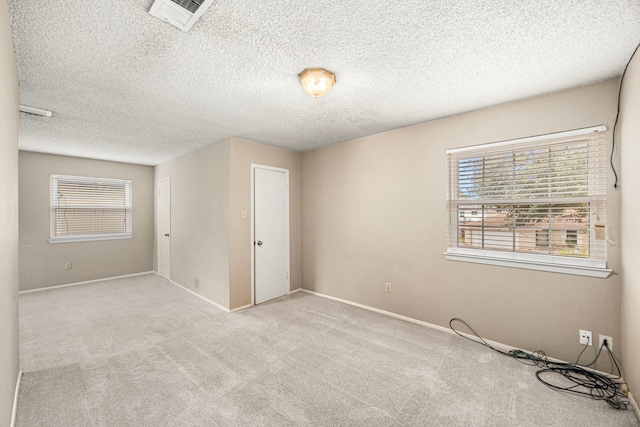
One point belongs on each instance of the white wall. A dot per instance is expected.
(374, 210)
(8, 218)
(630, 207)
(42, 263)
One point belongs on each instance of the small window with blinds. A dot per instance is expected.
(536, 203)
(85, 208)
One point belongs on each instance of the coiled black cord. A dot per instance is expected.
(584, 382)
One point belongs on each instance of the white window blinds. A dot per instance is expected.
(543, 197)
(86, 208)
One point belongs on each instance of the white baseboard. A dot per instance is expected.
(495, 344)
(220, 306)
(244, 307)
(85, 283)
(634, 404)
(14, 414)
(240, 308)
(391, 314)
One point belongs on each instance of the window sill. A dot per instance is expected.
(89, 238)
(521, 261)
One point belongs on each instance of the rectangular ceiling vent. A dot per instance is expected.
(180, 13)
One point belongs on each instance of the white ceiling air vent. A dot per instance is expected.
(180, 13)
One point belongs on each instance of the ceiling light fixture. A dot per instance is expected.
(34, 110)
(317, 81)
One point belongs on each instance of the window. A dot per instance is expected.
(542, 238)
(537, 203)
(572, 238)
(85, 208)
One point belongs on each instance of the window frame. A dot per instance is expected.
(54, 181)
(592, 267)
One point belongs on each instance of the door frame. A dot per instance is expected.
(255, 166)
(158, 231)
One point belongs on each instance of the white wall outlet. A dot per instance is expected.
(243, 214)
(586, 338)
(387, 287)
(609, 341)
(67, 266)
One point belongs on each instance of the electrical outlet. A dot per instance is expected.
(586, 338)
(67, 266)
(609, 341)
(387, 287)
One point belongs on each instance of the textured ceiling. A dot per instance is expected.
(126, 86)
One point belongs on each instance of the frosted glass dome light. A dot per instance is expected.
(317, 81)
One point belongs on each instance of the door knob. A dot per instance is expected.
(166, 235)
(259, 243)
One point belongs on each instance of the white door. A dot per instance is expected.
(164, 227)
(271, 233)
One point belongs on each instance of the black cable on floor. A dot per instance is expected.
(577, 379)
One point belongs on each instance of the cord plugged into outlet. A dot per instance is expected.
(607, 339)
(586, 338)
(583, 380)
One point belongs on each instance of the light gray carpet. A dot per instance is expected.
(143, 352)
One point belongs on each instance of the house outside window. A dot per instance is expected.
(572, 237)
(542, 238)
(86, 208)
(537, 203)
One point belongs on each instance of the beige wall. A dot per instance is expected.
(243, 153)
(629, 129)
(211, 244)
(374, 210)
(210, 241)
(200, 220)
(41, 262)
(8, 218)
